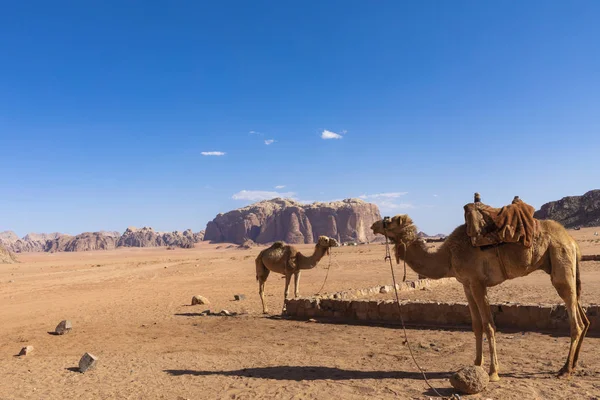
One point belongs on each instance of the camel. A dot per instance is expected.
(287, 260)
(553, 251)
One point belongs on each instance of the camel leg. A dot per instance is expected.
(288, 279)
(487, 321)
(567, 292)
(262, 273)
(296, 283)
(586, 323)
(477, 326)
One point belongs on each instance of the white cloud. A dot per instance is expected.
(389, 195)
(279, 186)
(258, 195)
(269, 141)
(213, 153)
(330, 135)
(255, 133)
(387, 201)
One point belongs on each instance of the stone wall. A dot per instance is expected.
(374, 290)
(509, 316)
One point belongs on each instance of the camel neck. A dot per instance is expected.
(431, 264)
(312, 260)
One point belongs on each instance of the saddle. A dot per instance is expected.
(489, 226)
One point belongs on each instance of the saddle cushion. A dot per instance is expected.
(510, 224)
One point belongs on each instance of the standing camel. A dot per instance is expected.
(553, 251)
(287, 260)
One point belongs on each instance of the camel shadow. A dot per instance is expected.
(310, 373)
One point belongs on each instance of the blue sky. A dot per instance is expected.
(106, 108)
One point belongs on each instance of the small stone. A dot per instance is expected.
(239, 297)
(470, 380)
(26, 350)
(384, 289)
(199, 300)
(87, 362)
(226, 313)
(63, 327)
(312, 320)
(11, 281)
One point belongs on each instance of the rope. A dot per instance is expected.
(387, 247)
(326, 275)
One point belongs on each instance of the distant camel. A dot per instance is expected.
(287, 260)
(553, 251)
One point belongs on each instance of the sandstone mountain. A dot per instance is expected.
(86, 241)
(102, 240)
(29, 243)
(293, 222)
(573, 211)
(148, 237)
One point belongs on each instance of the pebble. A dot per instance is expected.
(63, 327)
(199, 300)
(26, 350)
(87, 362)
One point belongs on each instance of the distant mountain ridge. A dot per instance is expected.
(573, 211)
(102, 240)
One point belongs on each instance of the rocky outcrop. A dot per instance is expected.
(573, 211)
(293, 222)
(148, 237)
(6, 257)
(102, 240)
(86, 241)
(31, 242)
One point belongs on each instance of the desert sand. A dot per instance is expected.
(131, 308)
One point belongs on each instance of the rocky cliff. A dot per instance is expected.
(86, 241)
(29, 243)
(293, 222)
(6, 257)
(573, 211)
(148, 237)
(102, 240)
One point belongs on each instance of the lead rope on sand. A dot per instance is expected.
(389, 257)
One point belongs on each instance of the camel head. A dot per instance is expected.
(399, 229)
(327, 242)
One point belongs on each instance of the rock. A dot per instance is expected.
(63, 327)
(239, 297)
(87, 362)
(226, 313)
(573, 211)
(312, 320)
(148, 237)
(86, 241)
(6, 257)
(26, 350)
(470, 380)
(32, 242)
(385, 289)
(293, 222)
(199, 300)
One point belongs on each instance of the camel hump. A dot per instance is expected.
(278, 245)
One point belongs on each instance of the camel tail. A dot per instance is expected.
(577, 274)
(260, 267)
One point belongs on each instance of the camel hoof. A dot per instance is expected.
(494, 377)
(564, 373)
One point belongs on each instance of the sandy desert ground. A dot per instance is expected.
(130, 307)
